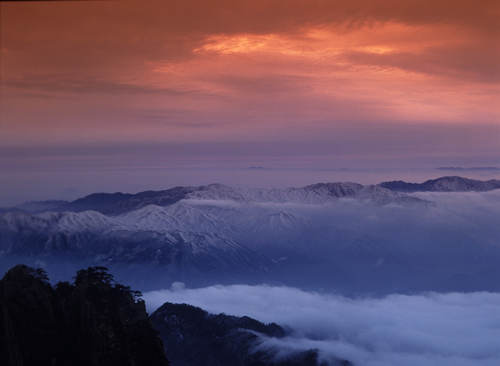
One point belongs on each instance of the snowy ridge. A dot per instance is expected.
(314, 194)
(57, 221)
(383, 193)
(174, 217)
(444, 184)
(177, 240)
(459, 184)
(86, 221)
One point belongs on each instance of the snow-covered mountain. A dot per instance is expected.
(313, 194)
(343, 236)
(119, 203)
(175, 217)
(444, 184)
(179, 242)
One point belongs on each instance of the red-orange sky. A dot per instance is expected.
(199, 85)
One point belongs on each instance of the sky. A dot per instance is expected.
(137, 95)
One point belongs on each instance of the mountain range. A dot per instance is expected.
(445, 184)
(344, 237)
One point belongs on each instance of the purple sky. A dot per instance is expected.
(130, 96)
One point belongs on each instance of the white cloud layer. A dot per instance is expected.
(455, 329)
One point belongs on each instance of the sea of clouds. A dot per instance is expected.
(432, 329)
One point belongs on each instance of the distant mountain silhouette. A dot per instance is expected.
(444, 184)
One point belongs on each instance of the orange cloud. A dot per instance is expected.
(254, 67)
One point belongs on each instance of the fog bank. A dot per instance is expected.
(459, 329)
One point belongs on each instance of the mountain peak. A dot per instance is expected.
(221, 339)
(443, 184)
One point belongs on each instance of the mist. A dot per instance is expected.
(459, 329)
(444, 220)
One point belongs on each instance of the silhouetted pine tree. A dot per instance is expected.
(93, 321)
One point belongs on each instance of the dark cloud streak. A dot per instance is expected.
(71, 84)
(470, 62)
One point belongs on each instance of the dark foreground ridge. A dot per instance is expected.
(193, 336)
(92, 322)
(97, 322)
